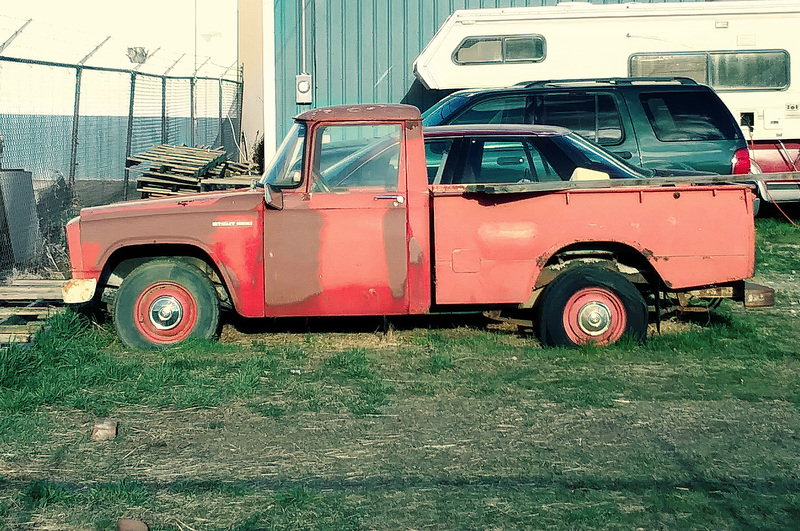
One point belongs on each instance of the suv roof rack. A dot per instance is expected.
(608, 81)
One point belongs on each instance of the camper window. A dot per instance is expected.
(524, 49)
(734, 70)
(691, 65)
(500, 49)
(750, 70)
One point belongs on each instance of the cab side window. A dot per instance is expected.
(356, 156)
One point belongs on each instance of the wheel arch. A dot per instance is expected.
(125, 259)
(620, 258)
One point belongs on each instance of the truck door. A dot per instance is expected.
(350, 244)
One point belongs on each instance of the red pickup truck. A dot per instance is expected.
(349, 220)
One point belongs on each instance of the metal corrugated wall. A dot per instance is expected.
(361, 51)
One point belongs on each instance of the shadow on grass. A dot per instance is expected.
(697, 499)
(301, 325)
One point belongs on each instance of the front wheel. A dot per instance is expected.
(590, 305)
(164, 302)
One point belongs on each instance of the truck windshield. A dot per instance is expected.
(285, 169)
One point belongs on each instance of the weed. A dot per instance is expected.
(441, 362)
(351, 364)
(298, 497)
(41, 494)
(124, 492)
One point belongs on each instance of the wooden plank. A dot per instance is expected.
(229, 181)
(168, 183)
(15, 338)
(30, 293)
(214, 157)
(23, 311)
(22, 329)
(163, 191)
(47, 282)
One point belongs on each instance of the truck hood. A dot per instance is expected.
(229, 201)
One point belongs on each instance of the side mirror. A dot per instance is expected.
(273, 197)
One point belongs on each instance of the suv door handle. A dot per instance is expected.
(624, 154)
(391, 197)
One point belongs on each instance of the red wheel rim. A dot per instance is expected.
(165, 312)
(594, 315)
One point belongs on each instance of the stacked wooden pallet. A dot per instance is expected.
(175, 170)
(25, 306)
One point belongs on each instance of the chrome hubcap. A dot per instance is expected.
(594, 318)
(165, 313)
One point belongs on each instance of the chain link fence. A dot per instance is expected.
(66, 131)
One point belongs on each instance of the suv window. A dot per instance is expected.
(687, 116)
(592, 115)
(503, 110)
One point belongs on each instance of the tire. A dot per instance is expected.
(590, 305)
(164, 302)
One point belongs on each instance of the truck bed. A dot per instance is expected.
(492, 241)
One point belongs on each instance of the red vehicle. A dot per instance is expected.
(345, 222)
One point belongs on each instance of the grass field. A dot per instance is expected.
(446, 423)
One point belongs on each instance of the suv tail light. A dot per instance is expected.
(741, 162)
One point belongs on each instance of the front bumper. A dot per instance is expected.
(78, 290)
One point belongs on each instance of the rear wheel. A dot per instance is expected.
(590, 305)
(164, 302)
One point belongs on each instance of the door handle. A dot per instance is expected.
(624, 154)
(391, 197)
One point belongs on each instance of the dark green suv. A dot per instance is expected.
(668, 123)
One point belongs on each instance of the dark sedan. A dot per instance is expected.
(506, 153)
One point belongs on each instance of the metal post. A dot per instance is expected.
(129, 141)
(191, 104)
(73, 157)
(193, 89)
(221, 137)
(164, 110)
(164, 130)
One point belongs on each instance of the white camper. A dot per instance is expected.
(746, 50)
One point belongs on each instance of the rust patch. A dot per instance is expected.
(541, 261)
(291, 256)
(414, 251)
(394, 242)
